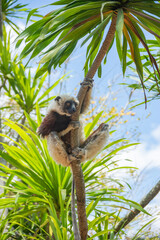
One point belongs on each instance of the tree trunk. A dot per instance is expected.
(75, 164)
(129, 217)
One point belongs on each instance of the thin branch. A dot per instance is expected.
(145, 201)
(75, 226)
(125, 107)
(3, 84)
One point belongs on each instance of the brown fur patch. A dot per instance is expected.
(47, 125)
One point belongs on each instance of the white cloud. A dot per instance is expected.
(146, 154)
(146, 157)
(156, 133)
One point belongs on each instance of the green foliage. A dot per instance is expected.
(12, 9)
(18, 81)
(42, 181)
(139, 234)
(151, 80)
(37, 190)
(63, 28)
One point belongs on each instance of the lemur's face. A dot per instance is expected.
(70, 107)
(66, 105)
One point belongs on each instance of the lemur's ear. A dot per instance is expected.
(57, 98)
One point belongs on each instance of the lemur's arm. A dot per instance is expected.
(72, 125)
(88, 83)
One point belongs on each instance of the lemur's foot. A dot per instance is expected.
(75, 124)
(78, 152)
(88, 82)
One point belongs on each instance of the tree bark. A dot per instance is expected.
(75, 163)
(74, 220)
(104, 49)
(129, 217)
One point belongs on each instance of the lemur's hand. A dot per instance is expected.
(88, 82)
(104, 127)
(75, 124)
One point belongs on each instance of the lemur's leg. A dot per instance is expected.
(93, 144)
(57, 149)
(72, 125)
(87, 83)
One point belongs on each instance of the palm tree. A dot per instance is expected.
(89, 21)
(9, 9)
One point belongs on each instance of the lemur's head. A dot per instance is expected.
(64, 105)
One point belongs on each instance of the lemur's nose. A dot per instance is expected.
(72, 110)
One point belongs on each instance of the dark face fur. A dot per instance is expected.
(65, 105)
(70, 107)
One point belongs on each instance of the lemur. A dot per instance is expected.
(58, 123)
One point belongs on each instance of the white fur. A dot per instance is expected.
(57, 106)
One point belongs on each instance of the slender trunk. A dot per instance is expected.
(75, 164)
(74, 221)
(129, 217)
(104, 49)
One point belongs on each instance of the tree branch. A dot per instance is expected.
(104, 49)
(74, 221)
(129, 217)
(75, 163)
